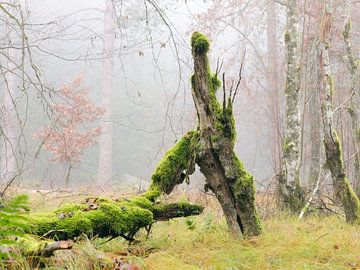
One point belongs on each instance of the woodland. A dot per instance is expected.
(148, 134)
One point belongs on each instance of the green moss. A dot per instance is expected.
(119, 217)
(287, 36)
(142, 202)
(123, 220)
(243, 177)
(214, 84)
(181, 209)
(30, 245)
(347, 28)
(70, 207)
(200, 43)
(152, 193)
(226, 123)
(331, 83)
(175, 162)
(287, 148)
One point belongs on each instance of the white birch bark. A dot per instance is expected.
(105, 142)
(289, 185)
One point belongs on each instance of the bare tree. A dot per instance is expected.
(105, 142)
(9, 124)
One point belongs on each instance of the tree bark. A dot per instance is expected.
(273, 85)
(224, 173)
(354, 100)
(290, 192)
(334, 155)
(315, 116)
(105, 141)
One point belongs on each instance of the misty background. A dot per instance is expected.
(151, 102)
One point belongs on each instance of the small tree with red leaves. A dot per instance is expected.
(68, 136)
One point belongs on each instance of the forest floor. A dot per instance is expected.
(203, 242)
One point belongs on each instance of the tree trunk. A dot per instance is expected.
(105, 141)
(354, 100)
(68, 174)
(315, 116)
(290, 192)
(9, 126)
(334, 156)
(224, 173)
(273, 85)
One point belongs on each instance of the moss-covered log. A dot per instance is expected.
(104, 218)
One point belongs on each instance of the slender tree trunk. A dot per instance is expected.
(273, 83)
(68, 174)
(333, 152)
(9, 124)
(105, 142)
(354, 100)
(315, 116)
(290, 192)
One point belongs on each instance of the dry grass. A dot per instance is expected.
(287, 243)
(203, 243)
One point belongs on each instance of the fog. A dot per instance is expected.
(151, 99)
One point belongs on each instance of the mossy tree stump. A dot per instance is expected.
(225, 174)
(211, 146)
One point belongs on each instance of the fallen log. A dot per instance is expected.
(104, 217)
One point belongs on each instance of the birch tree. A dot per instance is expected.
(290, 193)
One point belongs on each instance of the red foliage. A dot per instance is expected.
(67, 137)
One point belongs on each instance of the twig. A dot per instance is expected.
(224, 91)
(240, 77)
(50, 232)
(306, 207)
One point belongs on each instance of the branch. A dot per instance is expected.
(240, 77)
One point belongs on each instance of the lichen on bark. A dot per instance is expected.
(289, 189)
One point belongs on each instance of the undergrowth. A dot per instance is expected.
(203, 242)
